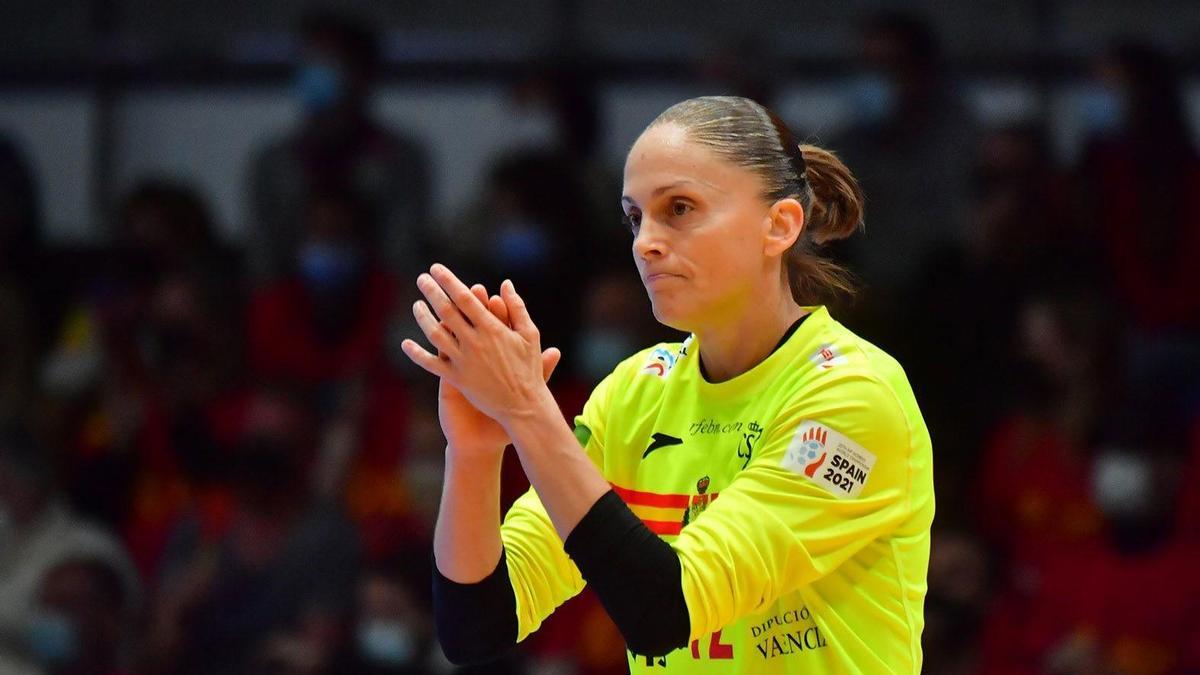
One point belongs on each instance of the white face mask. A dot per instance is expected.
(387, 642)
(1122, 484)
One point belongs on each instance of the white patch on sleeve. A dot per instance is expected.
(829, 459)
(827, 356)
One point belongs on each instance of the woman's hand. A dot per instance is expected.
(468, 430)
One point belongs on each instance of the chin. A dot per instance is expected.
(668, 314)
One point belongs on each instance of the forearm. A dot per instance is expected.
(565, 479)
(466, 539)
(635, 574)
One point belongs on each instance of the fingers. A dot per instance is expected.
(497, 307)
(432, 364)
(518, 314)
(462, 297)
(480, 292)
(441, 304)
(437, 333)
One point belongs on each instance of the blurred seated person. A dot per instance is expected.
(146, 427)
(339, 144)
(1021, 229)
(1125, 603)
(912, 149)
(535, 223)
(327, 321)
(1140, 173)
(960, 588)
(38, 536)
(83, 622)
(1032, 486)
(271, 586)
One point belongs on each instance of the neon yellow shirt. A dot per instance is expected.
(798, 496)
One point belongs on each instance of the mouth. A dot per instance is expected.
(661, 276)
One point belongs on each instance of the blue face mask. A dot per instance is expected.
(52, 638)
(328, 267)
(1102, 109)
(872, 98)
(387, 643)
(319, 86)
(521, 244)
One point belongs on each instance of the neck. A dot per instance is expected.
(736, 346)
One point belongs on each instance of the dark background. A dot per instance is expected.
(215, 459)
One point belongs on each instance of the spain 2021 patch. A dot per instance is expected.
(829, 459)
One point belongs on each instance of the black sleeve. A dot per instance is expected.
(635, 574)
(476, 622)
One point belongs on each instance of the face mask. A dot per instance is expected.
(1102, 109)
(600, 350)
(319, 86)
(1122, 485)
(52, 638)
(328, 267)
(521, 244)
(389, 643)
(872, 98)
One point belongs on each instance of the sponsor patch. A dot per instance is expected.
(829, 459)
(827, 357)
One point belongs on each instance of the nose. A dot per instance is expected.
(648, 243)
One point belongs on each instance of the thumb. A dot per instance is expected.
(550, 360)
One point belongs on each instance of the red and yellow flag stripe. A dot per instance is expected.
(661, 512)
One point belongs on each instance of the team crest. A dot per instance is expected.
(700, 501)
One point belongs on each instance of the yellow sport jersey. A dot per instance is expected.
(798, 497)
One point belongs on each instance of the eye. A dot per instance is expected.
(633, 221)
(680, 207)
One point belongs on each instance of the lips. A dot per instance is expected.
(660, 276)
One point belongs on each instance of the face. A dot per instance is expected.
(705, 243)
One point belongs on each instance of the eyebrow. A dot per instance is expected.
(659, 190)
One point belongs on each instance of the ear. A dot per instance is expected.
(785, 223)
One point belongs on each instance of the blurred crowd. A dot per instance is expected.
(214, 458)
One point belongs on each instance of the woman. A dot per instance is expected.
(755, 499)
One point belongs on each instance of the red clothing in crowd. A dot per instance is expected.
(1134, 614)
(285, 344)
(1034, 489)
(1153, 263)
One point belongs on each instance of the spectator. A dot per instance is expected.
(1032, 487)
(327, 321)
(1021, 230)
(912, 150)
(959, 594)
(83, 622)
(339, 146)
(271, 587)
(1127, 602)
(1141, 178)
(531, 225)
(1141, 175)
(38, 535)
(394, 631)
